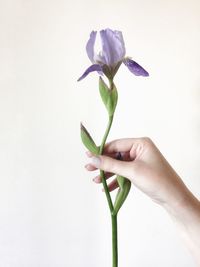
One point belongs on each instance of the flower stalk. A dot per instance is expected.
(102, 174)
(109, 200)
(114, 241)
(107, 62)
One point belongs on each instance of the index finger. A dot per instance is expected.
(120, 145)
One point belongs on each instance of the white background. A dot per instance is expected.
(51, 213)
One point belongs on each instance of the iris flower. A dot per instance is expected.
(112, 55)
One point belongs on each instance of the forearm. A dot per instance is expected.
(185, 213)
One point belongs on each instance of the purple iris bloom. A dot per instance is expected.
(111, 56)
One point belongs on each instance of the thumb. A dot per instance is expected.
(108, 164)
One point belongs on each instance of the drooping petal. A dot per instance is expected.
(113, 48)
(90, 45)
(94, 67)
(135, 68)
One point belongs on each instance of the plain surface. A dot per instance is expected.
(51, 214)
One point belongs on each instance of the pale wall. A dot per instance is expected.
(51, 214)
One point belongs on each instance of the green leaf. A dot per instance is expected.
(124, 188)
(88, 141)
(108, 95)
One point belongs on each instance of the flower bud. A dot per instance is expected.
(88, 141)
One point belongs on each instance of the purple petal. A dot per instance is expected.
(90, 46)
(113, 48)
(135, 68)
(94, 67)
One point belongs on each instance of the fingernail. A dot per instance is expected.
(86, 166)
(95, 161)
(89, 154)
(97, 179)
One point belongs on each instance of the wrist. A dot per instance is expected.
(185, 213)
(184, 208)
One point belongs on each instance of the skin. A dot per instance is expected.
(144, 165)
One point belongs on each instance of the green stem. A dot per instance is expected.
(106, 134)
(110, 204)
(114, 241)
(102, 174)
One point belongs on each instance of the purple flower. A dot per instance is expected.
(112, 54)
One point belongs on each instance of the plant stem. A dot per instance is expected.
(102, 174)
(106, 133)
(114, 240)
(110, 204)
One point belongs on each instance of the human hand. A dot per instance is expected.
(144, 165)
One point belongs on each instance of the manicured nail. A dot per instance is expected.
(89, 154)
(95, 161)
(97, 179)
(86, 166)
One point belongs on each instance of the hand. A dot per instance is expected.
(148, 170)
(144, 165)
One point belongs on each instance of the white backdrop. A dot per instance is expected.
(51, 213)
